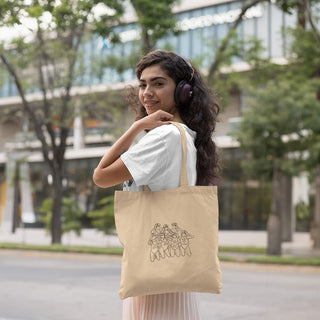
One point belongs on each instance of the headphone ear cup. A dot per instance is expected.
(183, 93)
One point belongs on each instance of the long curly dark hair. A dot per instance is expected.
(199, 115)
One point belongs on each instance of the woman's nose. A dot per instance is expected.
(148, 91)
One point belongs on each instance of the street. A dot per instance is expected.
(59, 286)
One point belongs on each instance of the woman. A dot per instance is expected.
(170, 89)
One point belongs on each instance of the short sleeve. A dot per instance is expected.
(148, 159)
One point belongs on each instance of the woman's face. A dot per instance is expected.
(156, 90)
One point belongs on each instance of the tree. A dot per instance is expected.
(305, 64)
(304, 9)
(71, 215)
(301, 77)
(155, 19)
(103, 217)
(50, 61)
(272, 132)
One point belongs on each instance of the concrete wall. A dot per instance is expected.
(8, 132)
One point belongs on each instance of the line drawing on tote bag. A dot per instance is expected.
(168, 242)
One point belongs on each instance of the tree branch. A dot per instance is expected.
(224, 44)
(64, 129)
(28, 109)
(43, 59)
(310, 20)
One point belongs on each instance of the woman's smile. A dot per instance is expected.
(150, 103)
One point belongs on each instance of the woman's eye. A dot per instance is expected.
(142, 85)
(158, 84)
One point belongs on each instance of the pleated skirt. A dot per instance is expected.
(168, 306)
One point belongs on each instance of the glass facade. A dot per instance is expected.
(202, 29)
(244, 204)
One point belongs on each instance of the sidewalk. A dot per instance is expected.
(300, 246)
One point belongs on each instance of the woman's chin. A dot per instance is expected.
(150, 110)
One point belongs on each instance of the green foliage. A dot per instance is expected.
(46, 210)
(63, 248)
(281, 126)
(71, 215)
(9, 13)
(305, 53)
(156, 20)
(120, 65)
(290, 6)
(109, 107)
(228, 79)
(302, 211)
(274, 122)
(103, 218)
(305, 68)
(238, 254)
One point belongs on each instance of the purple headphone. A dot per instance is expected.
(183, 92)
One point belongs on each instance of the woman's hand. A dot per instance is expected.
(154, 120)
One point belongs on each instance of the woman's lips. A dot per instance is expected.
(150, 104)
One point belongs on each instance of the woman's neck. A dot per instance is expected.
(177, 118)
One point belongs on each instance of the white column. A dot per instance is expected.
(300, 192)
(78, 139)
(27, 215)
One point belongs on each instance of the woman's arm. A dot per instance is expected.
(111, 170)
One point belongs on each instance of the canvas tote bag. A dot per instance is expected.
(170, 238)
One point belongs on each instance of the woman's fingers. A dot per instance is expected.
(156, 119)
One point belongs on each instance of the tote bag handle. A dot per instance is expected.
(183, 174)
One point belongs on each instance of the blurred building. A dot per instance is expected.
(244, 203)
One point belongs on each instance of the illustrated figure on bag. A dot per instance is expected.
(166, 242)
(155, 242)
(166, 247)
(185, 243)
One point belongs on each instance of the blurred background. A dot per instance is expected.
(67, 66)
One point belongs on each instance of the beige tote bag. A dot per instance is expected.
(170, 238)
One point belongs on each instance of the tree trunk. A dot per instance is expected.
(274, 221)
(287, 222)
(16, 203)
(147, 46)
(316, 227)
(302, 7)
(56, 230)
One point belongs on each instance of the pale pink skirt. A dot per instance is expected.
(168, 306)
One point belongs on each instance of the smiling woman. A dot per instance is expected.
(170, 89)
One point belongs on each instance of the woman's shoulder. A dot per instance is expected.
(166, 129)
(168, 133)
(171, 130)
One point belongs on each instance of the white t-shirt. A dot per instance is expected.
(156, 159)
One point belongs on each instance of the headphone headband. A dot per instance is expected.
(189, 65)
